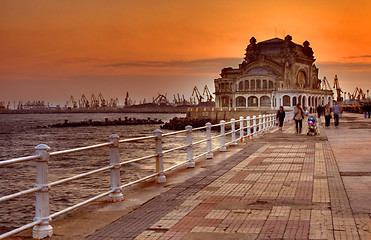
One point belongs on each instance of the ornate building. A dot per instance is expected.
(274, 73)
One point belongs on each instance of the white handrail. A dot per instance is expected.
(259, 125)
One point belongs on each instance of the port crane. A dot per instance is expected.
(127, 101)
(207, 94)
(102, 101)
(325, 84)
(84, 102)
(94, 101)
(160, 99)
(197, 94)
(73, 102)
(337, 88)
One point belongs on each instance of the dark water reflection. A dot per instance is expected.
(19, 135)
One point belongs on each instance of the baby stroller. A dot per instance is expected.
(312, 126)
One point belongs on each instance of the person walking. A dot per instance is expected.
(281, 117)
(298, 117)
(337, 109)
(327, 115)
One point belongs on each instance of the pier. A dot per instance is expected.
(275, 186)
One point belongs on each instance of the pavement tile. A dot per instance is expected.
(269, 190)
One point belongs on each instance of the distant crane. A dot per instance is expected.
(94, 101)
(113, 103)
(84, 102)
(127, 101)
(197, 94)
(325, 84)
(102, 101)
(206, 93)
(160, 99)
(337, 88)
(73, 102)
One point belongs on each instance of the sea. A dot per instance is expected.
(21, 133)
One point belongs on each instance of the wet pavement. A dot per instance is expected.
(278, 186)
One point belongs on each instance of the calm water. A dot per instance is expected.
(19, 134)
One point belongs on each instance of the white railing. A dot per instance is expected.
(248, 128)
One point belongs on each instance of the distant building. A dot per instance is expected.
(274, 73)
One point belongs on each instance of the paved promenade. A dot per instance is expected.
(279, 186)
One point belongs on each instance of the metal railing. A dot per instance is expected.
(249, 127)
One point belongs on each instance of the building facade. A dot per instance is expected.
(274, 73)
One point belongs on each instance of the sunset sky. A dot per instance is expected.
(50, 50)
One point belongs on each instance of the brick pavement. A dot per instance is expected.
(281, 186)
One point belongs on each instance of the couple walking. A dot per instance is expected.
(298, 117)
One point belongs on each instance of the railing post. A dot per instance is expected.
(42, 211)
(260, 123)
(161, 178)
(233, 129)
(248, 125)
(209, 150)
(254, 125)
(264, 123)
(271, 121)
(241, 130)
(191, 162)
(222, 137)
(115, 196)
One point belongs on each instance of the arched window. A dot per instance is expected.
(253, 101)
(265, 86)
(309, 101)
(302, 79)
(286, 101)
(265, 101)
(258, 84)
(247, 85)
(294, 101)
(225, 101)
(253, 84)
(270, 84)
(240, 86)
(222, 87)
(240, 101)
(304, 102)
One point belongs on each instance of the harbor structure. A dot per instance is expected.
(276, 72)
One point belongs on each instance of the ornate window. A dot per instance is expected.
(253, 84)
(240, 101)
(258, 84)
(301, 79)
(240, 86)
(252, 101)
(286, 101)
(265, 86)
(265, 101)
(270, 85)
(247, 85)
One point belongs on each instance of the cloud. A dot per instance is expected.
(178, 64)
(345, 66)
(356, 57)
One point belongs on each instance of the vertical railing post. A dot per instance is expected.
(241, 130)
(271, 121)
(42, 211)
(209, 150)
(254, 125)
(115, 196)
(260, 123)
(222, 137)
(264, 123)
(248, 125)
(233, 129)
(190, 160)
(161, 178)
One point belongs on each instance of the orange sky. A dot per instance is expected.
(50, 50)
